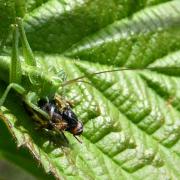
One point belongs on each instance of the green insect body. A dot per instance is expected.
(33, 79)
(27, 74)
(25, 78)
(33, 82)
(37, 88)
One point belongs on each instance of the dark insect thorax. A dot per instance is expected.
(74, 126)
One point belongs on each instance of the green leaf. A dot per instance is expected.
(32, 4)
(65, 22)
(17, 156)
(7, 14)
(9, 9)
(131, 118)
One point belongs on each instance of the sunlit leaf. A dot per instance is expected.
(131, 118)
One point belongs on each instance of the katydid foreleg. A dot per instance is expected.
(27, 51)
(14, 86)
(15, 71)
(31, 99)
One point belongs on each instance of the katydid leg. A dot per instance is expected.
(15, 72)
(14, 86)
(28, 54)
(31, 100)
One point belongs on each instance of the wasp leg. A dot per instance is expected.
(59, 129)
(71, 103)
(64, 137)
(54, 136)
(39, 126)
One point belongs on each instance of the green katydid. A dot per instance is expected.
(55, 114)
